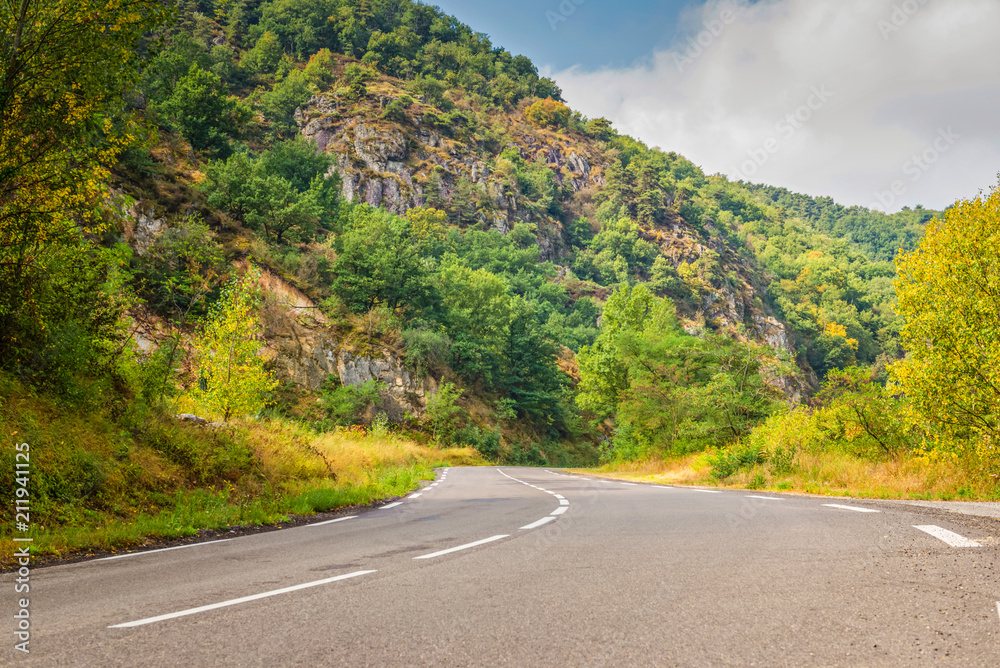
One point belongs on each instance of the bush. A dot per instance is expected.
(729, 461)
(396, 110)
(548, 113)
(345, 404)
(427, 351)
(487, 443)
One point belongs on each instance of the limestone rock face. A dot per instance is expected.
(142, 226)
(401, 394)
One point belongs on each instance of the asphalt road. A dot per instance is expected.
(610, 574)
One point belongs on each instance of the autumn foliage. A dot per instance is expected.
(949, 291)
(548, 113)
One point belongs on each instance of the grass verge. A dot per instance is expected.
(95, 486)
(828, 473)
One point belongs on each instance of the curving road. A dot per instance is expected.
(529, 567)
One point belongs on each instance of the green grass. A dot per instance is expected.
(95, 486)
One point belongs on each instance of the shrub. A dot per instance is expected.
(346, 404)
(548, 113)
(426, 350)
(729, 461)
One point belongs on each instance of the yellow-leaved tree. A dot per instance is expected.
(68, 70)
(232, 380)
(949, 294)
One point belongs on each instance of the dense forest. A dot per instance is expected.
(546, 289)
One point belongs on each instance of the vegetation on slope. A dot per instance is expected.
(564, 286)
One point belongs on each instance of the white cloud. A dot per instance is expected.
(846, 98)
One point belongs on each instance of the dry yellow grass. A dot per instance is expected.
(825, 473)
(290, 452)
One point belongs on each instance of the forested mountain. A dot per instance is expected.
(441, 243)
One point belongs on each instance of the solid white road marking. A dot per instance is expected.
(339, 519)
(462, 547)
(998, 607)
(949, 537)
(236, 601)
(535, 525)
(164, 549)
(391, 505)
(856, 509)
(560, 510)
(769, 498)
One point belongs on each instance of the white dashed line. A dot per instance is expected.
(856, 509)
(706, 491)
(236, 601)
(462, 547)
(391, 505)
(164, 549)
(630, 484)
(949, 537)
(768, 498)
(563, 503)
(339, 519)
(413, 496)
(535, 525)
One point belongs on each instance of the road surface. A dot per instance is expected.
(533, 567)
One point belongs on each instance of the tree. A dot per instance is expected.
(948, 290)
(548, 113)
(284, 194)
(232, 379)
(204, 114)
(377, 262)
(65, 83)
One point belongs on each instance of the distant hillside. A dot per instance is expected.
(880, 235)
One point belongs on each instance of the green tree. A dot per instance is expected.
(377, 262)
(443, 412)
(204, 113)
(232, 379)
(948, 289)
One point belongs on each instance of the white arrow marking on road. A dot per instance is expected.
(462, 547)
(236, 601)
(949, 537)
(164, 549)
(854, 508)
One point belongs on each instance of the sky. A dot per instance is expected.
(880, 103)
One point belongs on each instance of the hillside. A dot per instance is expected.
(420, 238)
